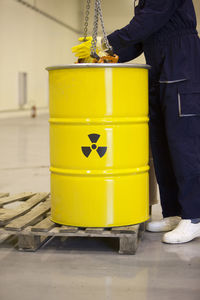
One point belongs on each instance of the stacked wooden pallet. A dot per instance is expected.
(27, 216)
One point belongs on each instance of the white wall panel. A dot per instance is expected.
(197, 9)
(29, 43)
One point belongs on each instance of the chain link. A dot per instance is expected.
(87, 13)
(105, 39)
(98, 14)
(95, 30)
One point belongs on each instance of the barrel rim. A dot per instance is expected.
(92, 65)
(100, 173)
(100, 121)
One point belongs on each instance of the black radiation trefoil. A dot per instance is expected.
(94, 139)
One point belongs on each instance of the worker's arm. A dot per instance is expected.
(129, 53)
(149, 19)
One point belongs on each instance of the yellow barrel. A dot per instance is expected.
(99, 148)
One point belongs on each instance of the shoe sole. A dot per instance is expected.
(182, 242)
(163, 230)
(157, 231)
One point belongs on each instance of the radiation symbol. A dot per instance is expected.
(94, 139)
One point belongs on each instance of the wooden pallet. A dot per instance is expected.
(27, 216)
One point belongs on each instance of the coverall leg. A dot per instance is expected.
(180, 105)
(175, 122)
(162, 160)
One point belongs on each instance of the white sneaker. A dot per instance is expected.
(185, 232)
(166, 224)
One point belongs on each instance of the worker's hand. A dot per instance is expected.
(103, 44)
(83, 50)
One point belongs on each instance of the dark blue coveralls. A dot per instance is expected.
(165, 30)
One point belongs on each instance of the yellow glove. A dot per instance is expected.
(83, 50)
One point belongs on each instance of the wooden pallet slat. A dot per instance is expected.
(2, 195)
(30, 218)
(94, 230)
(15, 198)
(4, 237)
(2, 211)
(54, 231)
(11, 214)
(125, 229)
(69, 229)
(43, 226)
(39, 197)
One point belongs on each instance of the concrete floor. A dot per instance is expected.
(83, 269)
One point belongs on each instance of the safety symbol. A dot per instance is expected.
(94, 139)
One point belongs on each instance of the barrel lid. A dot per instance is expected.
(92, 65)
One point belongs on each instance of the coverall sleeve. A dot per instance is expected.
(149, 19)
(130, 52)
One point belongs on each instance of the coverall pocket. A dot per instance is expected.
(189, 101)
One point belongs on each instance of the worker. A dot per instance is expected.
(165, 31)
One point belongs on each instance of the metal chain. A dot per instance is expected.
(87, 13)
(105, 39)
(95, 30)
(98, 14)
